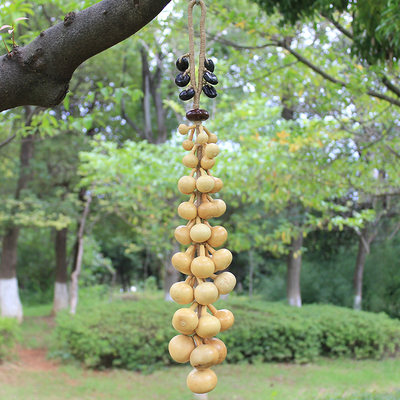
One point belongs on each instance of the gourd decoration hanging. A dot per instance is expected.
(201, 262)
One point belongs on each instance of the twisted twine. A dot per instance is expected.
(197, 86)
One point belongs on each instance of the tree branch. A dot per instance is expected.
(39, 73)
(319, 71)
(339, 27)
(393, 88)
(8, 140)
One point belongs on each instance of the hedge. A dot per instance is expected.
(8, 336)
(135, 334)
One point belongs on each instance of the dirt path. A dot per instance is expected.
(35, 360)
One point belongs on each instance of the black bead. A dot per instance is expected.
(209, 91)
(182, 64)
(186, 94)
(209, 64)
(182, 80)
(210, 78)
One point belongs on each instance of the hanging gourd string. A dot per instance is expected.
(197, 86)
(204, 266)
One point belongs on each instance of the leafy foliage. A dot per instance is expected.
(135, 334)
(375, 24)
(8, 336)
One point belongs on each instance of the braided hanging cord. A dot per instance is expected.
(197, 86)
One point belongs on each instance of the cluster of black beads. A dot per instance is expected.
(209, 79)
(183, 79)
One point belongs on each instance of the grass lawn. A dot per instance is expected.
(322, 380)
(31, 376)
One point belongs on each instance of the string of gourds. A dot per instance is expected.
(201, 262)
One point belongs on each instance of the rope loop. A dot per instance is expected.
(197, 86)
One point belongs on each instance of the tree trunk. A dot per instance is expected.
(171, 275)
(155, 84)
(146, 77)
(363, 249)
(77, 267)
(293, 272)
(10, 303)
(61, 296)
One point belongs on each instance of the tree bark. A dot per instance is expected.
(146, 78)
(366, 237)
(39, 73)
(155, 84)
(359, 273)
(61, 296)
(77, 267)
(10, 303)
(293, 271)
(171, 275)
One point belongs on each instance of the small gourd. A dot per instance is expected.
(208, 326)
(202, 267)
(220, 207)
(206, 293)
(187, 210)
(182, 235)
(217, 185)
(207, 209)
(218, 236)
(222, 259)
(182, 293)
(185, 321)
(201, 380)
(212, 150)
(202, 138)
(181, 347)
(187, 144)
(183, 129)
(225, 282)
(207, 163)
(204, 356)
(212, 138)
(205, 183)
(226, 319)
(190, 160)
(182, 261)
(219, 345)
(187, 184)
(200, 233)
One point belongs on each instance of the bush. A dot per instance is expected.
(135, 334)
(8, 336)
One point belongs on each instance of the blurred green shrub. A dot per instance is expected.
(135, 335)
(8, 336)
